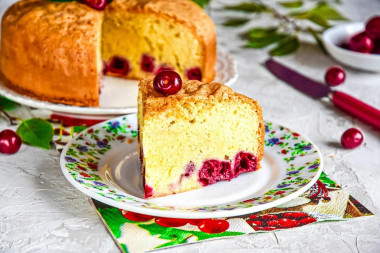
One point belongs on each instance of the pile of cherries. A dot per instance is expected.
(367, 41)
(210, 226)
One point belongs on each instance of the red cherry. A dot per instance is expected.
(295, 215)
(376, 46)
(308, 220)
(170, 222)
(351, 138)
(194, 222)
(10, 142)
(272, 223)
(194, 74)
(361, 43)
(147, 63)
(167, 82)
(213, 226)
(253, 217)
(258, 222)
(372, 28)
(335, 76)
(269, 217)
(119, 65)
(287, 223)
(96, 4)
(135, 216)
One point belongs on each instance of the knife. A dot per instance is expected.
(345, 102)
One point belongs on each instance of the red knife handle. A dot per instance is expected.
(357, 108)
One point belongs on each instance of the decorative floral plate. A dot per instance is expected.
(102, 162)
(119, 96)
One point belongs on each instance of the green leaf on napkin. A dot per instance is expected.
(247, 7)
(36, 132)
(236, 21)
(286, 46)
(291, 4)
(7, 104)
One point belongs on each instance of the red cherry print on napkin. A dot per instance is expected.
(213, 226)
(194, 222)
(267, 228)
(257, 222)
(272, 223)
(269, 217)
(135, 216)
(287, 223)
(170, 222)
(307, 220)
(295, 215)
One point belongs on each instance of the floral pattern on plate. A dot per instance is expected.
(80, 159)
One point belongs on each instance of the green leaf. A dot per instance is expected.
(319, 20)
(7, 104)
(78, 129)
(258, 33)
(326, 11)
(292, 4)
(318, 39)
(236, 21)
(286, 46)
(247, 7)
(201, 3)
(264, 42)
(36, 132)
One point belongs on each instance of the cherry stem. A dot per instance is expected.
(9, 117)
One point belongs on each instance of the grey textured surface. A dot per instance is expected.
(41, 212)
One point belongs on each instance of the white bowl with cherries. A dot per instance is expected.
(356, 45)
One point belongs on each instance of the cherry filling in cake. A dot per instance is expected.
(193, 134)
(118, 65)
(194, 74)
(147, 63)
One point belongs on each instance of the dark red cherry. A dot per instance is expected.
(96, 4)
(170, 222)
(372, 28)
(287, 223)
(376, 46)
(147, 63)
(213, 226)
(119, 65)
(194, 74)
(135, 216)
(164, 68)
(269, 217)
(10, 142)
(352, 138)
(308, 220)
(167, 82)
(335, 76)
(361, 43)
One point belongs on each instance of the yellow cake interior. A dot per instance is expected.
(131, 35)
(193, 130)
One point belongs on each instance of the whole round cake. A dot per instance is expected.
(59, 51)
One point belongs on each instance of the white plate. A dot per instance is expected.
(109, 171)
(119, 96)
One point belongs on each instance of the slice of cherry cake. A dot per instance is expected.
(202, 134)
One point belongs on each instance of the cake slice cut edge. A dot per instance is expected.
(204, 134)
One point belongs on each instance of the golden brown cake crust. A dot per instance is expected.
(185, 12)
(156, 103)
(49, 49)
